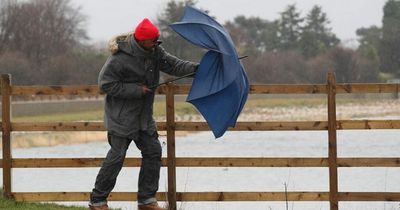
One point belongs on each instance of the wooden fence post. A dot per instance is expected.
(6, 133)
(332, 156)
(171, 163)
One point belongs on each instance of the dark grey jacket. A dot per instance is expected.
(127, 110)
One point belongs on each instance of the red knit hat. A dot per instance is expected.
(146, 30)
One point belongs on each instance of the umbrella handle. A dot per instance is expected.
(184, 76)
(172, 80)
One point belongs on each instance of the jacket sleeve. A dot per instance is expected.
(111, 81)
(175, 66)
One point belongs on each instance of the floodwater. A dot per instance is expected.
(355, 143)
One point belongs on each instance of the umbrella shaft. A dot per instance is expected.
(172, 80)
(184, 76)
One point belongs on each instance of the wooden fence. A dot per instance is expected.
(170, 126)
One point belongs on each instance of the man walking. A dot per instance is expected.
(126, 76)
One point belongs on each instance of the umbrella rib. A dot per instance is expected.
(223, 33)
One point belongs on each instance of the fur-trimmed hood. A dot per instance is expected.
(127, 44)
(113, 43)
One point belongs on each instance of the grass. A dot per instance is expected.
(7, 204)
(182, 108)
(96, 115)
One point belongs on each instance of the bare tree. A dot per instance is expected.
(40, 28)
(18, 65)
(8, 10)
(40, 34)
(348, 65)
(277, 68)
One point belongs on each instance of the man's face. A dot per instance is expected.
(149, 44)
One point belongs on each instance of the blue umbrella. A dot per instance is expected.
(220, 87)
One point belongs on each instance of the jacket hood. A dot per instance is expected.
(113, 43)
(126, 43)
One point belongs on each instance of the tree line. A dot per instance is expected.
(52, 47)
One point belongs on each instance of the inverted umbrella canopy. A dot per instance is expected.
(220, 87)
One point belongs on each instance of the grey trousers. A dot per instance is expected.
(149, 174)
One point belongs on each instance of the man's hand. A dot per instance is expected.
(146, 90)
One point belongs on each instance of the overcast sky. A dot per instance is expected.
(107, 18)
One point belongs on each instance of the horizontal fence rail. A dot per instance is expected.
(330, 89)
(216, 196)
(202, 126)
(93, 90)
(209, 162)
